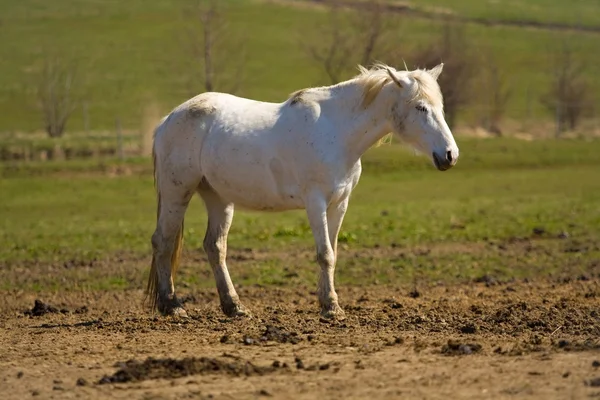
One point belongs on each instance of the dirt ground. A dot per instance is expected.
(533, 340)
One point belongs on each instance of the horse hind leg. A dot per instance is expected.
(167, 242)
(220, 215)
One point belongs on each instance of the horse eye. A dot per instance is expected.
(421, 108)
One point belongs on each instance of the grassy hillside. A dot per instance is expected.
(131, 52)
(576, 13)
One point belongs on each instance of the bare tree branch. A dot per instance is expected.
(55, 84)
(496, 94)
(350, 36)
(568, 97)
(217, 56)
(454, 50)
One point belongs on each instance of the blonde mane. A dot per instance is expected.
(374, 79)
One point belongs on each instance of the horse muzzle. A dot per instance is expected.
(445, 162)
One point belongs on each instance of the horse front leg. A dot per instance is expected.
(317, 212)
(335, 217)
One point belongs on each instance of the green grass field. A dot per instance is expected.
(131, 52)
(574, 13)
(406, 221)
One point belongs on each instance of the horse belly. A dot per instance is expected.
(261, 186)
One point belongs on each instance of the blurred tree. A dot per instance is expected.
(355, 33)
(55, 83)
(568, 97)
(217, 57)
(495, 94)
(452, 47)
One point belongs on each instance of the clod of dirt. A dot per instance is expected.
(469, 328)
(593, 382)
(595, 363)
(578, 345)
(280, 335)
(224, 339)
(20, 374)
(397, 340)
(414, 293)
(539, 230)
(487, 279)
(81, 310)
(40, 308)
(455, 348)
(393, 304)
(169, 368)
(81, 382)
(263, 392)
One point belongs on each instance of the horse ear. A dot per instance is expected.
(391, 74)
(436, 71)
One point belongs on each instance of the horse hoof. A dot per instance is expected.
(178, 312)
(235, 310)
(334, 312)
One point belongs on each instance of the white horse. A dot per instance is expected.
(303, 153)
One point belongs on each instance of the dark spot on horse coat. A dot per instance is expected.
(398, 119)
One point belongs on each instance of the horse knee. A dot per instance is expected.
(213, 246)
(325, 258)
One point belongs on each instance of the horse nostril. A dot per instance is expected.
(449, 156)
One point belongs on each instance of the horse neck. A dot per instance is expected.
(359, 127)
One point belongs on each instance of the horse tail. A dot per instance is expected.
(152, 286)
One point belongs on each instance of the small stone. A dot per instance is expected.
(81, 382)
(248, 341)
(593, 382)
